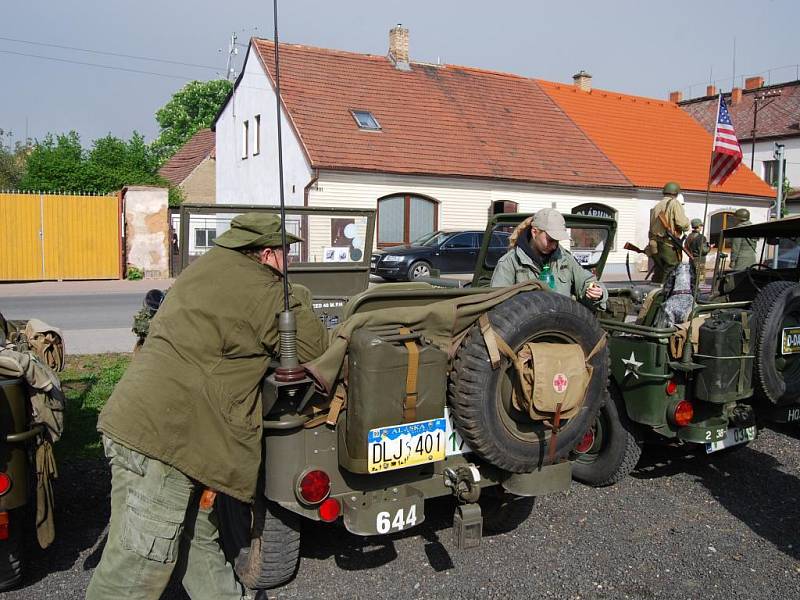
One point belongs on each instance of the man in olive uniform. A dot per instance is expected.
(534, 244)
(667, 214)
(186, 416)
(743, 250)
(697, 246)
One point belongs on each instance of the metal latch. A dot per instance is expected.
(467, 520)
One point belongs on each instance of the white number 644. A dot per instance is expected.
(402, 520)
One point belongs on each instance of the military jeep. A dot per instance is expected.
(425, 392)
(706, 381)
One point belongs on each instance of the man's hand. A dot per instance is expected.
(594, 291)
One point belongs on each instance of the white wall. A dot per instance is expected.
(464, 203)
(764, 152)
(254, 180)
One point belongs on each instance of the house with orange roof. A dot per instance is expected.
(192, 168)
(434, 146)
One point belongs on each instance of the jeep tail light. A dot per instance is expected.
(5, 483)
(586, 442)
(684, 411)
(672, 387)
(329, 510)
(314, 486)
(3, 525)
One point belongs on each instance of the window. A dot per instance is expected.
(365, 120)
(257, 136)
(245, 136)
(499, 239)
(405, 217)
(463, 240)
(771, 172)
(204, 238)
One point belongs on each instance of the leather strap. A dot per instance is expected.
(410, 402)
(490, 339)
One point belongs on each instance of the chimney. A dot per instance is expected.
(398, 47)
(675, 97)
(583, 81)
(711, 90)
(736, 96)
(752, 83)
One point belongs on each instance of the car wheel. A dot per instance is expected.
(419, 269)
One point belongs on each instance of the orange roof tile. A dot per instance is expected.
(651, 141)
(199, 147)
(439, 120)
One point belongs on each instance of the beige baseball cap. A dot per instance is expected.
(552, 222)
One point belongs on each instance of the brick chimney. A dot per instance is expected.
(675, 97)
(583, 81)
(398, 47)
(736, 96)
(753, 83)
(711, 90)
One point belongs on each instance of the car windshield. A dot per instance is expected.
(420, 241)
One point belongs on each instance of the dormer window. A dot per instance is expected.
(365, 120)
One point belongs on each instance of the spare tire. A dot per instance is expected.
(776, 375)
(480, 397)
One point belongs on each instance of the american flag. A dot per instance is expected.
(726, 155)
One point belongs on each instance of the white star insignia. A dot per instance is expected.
(631, 366)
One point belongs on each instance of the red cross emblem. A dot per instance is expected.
(560, 383)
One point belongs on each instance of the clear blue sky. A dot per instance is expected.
(638, 47)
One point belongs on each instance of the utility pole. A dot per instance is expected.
(778, 154)
(759, 98)
(232, 51)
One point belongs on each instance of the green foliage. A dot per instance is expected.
(87, 382)
(175, 197)
(12, 161)
(61, 163)
(190, 109)
(134, 273)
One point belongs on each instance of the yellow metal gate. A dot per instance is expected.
(59, 236)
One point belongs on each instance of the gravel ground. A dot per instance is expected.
(723, 526)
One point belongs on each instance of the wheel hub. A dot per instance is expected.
(587, 441)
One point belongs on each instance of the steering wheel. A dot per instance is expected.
(769, 272)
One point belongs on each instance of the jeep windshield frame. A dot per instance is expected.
(482, 275)
(325, 279)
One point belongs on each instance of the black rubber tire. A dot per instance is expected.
(503, 512)
(267, 554)
(618, 447)
(479, 395)
(415, 265)
(771, 307)
(11, 559)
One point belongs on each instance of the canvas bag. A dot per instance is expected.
(549, 374)
(46, 342)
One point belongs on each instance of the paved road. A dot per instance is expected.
(717, 527)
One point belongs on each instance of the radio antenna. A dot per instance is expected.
(290, 369)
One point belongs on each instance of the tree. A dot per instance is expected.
(190, 109)
(12, 161)
(56, 164)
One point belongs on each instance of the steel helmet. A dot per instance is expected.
(672, 188)
(696, 223)
(742, 213)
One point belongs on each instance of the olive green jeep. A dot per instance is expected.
(733, 361)
(425, 392)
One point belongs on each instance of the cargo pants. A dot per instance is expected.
(158, 527)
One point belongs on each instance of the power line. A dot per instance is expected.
(117, 54)
(99, 66)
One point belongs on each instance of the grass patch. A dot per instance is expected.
(88, 381)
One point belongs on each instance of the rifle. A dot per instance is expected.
(676, 241)
(629, 246)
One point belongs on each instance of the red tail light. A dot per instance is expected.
(684, 411)
(672, 387)
(5, 483)
(3, 525)
(329, 510)
(314, 486)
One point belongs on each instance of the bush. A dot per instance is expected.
(134, 273)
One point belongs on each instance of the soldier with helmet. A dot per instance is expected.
(666, 217)
(743, 250)
(698, 247)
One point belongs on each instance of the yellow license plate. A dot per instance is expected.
(400, 446)
(791, 340)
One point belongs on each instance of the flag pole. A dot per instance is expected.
(708, 191)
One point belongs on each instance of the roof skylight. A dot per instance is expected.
(365, 120)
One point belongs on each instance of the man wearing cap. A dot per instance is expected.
(743, 250)
(534, 244)
(697, 247)
(666, 216)
(186, 416)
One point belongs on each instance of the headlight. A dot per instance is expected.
(392, 258)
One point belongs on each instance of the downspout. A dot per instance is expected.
(306, 191)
